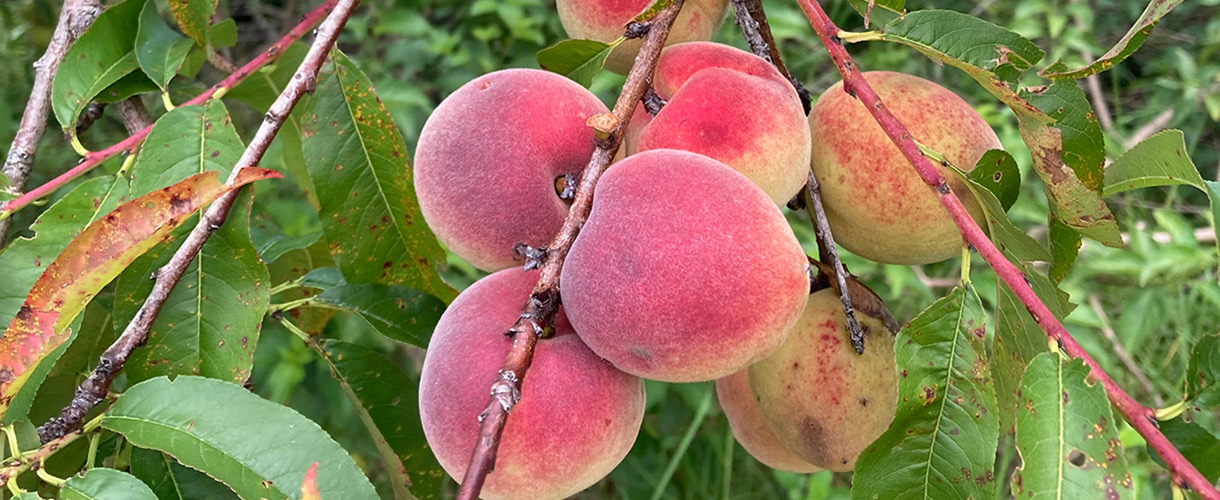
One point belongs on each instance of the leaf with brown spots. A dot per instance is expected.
(358, 161)
(399, 313)
(1203, 374)
(194, 17)
(94, 258)
(1018, 339)
(942, 442)
(1125, 46)
(103, 55)
(1067, 436)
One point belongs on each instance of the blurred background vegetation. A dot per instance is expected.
(1154, 298)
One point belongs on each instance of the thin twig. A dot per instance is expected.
(829, 253)
(752, 19)
(74, 19)
(1121, 352)
(95, 158)
(135, 117)
(1143, 419)
(538, 313)
(94, 388)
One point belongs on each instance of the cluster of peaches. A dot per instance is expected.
(686, 269)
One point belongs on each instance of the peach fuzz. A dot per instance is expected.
(606, 21)
(685, 270)
(488, 158)
(877, 205)
(577, 418)
(734, 107)
(749, 428)
(823, 401)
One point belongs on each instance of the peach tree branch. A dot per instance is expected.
(1143, 419)
(538, 313)
(93, 390)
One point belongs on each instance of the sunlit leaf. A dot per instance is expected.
(194, 17)
(187, 141)
(1203, 373)
(965, 40)
(579, 60)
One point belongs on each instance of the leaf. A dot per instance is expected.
(358, 162)
(210, 323)
(187, 141)
(100, 57)
(94, 258)
(879, 11)
(998, 172)
(399, 313)
(386, 400)
(942, 442)
(965, 40)
(272, 246)
(1200, 447)
(323, 278)
(1067, 435)
(106, 484)
(1203, 374)
(1083, 146)
(172, 481)
(1010, 239)
(256, 447)
(301, 264)
(1077, 206)
(1065, 245)
(224, 33)
(309, 485)
(134, 83)
(194, 17)
(579, 60)
(159, 49)
(1126, 45)
(1160, 160)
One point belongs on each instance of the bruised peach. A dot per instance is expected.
(823, 401)
(685, 270)
(877, 205)
(732, 106)
(606, 20)
(749, 428)
(489, 156)
(577, 417)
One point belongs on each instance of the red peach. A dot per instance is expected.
(606, 20)
(749, 428)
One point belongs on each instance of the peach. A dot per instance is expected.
(877, 205)
(685, 270)
(734, 107)
(823, 401)
(489, 156)
(577, 418)
(606, 20)
(737, 401)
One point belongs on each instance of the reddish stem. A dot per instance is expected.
(95, 158)
(1140, 417)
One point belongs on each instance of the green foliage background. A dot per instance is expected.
(1158, 296)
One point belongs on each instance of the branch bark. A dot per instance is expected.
(1143, 419)
(539, 310)
(75, 17)
(93, 389)
(95, 158)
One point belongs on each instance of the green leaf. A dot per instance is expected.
(997, 171)
(1083, 146)
(94, 258)
(1067, 435)
(256, 447)
(386, 400)
(194, 17)
(1010, 239)
(210, 323)
(1126, 45)
(172, 481)
(187, 141)
(579, 60)
(1065, 245)
(106, 484)
(358, 162)
(100, 57)
(1200, 446)
(1160, 160)
(878, 12)
(1018, 338)
(1203, 373)
(399, 313)
(323, 278)
(964, 40)
(159, 49)
(295, 265)
(942, 442)
(224, 33)
(272, 246)
(1077, 206)
(134, 83)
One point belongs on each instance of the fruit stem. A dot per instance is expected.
(1142, 418)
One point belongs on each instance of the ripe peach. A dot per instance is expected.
(750, 429)
(577, 417)
(685, 270)
(606, 20)
(877, 205)
(823, 401)
(734, 107)
(488, 158)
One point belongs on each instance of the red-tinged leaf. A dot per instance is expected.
(94, 258)
(309, 486)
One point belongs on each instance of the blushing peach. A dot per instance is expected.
(488, 158)
(606, 20)
(577, 417)
(749, 428)
(685, 270)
